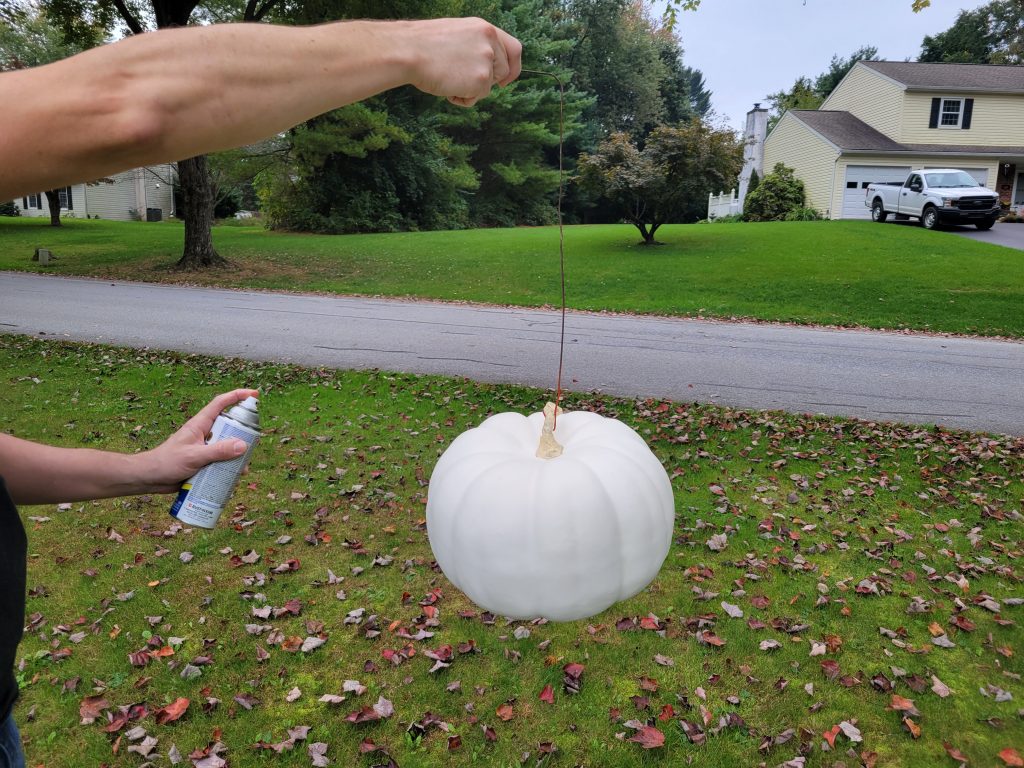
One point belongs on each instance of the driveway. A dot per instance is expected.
(960, 382)
(1010, 235)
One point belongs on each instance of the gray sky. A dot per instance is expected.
(750, 48)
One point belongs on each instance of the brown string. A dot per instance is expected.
(561, 229)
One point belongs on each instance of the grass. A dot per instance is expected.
(811, 507)
(847, 273)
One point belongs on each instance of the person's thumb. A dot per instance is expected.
(224, 450)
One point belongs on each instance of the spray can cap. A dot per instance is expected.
(247, 412)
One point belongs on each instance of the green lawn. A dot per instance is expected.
(835, 273)
(835, 531)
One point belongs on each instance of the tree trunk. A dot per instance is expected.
(53, 201)
(197, 202)
(648, 233)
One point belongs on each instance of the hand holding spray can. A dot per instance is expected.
(202, 497)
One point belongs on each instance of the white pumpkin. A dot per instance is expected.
(561, 538)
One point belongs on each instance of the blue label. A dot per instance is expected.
(182, 495)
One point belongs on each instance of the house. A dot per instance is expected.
(886, 118)
(143, 193)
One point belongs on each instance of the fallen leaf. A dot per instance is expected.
(171, 712)
(649, 737)
(940, 688)
(317, 752)
(953, 752)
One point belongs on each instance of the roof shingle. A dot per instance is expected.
(846, 131)
(850, 133)
(951, 77)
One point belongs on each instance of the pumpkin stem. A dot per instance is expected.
(549, 448)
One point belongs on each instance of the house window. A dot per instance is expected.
(66, 200)
(952, 113)
(33, 202)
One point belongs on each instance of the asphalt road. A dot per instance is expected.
(968, 383)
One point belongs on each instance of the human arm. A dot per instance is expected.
(168, 95)
(38, 474)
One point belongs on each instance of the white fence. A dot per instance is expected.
(723, 205)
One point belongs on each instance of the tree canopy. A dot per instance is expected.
(669, 179)
(990, 34)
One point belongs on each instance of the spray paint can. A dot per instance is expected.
(202, 497)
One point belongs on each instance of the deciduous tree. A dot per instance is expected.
(990, 34)
(669, 179)
(86, 22)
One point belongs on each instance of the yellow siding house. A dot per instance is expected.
(887, 118)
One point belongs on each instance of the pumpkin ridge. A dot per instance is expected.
(460, 511)
(616, 523)
(645, 470)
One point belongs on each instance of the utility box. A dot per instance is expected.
(43, 256)
(154, 214)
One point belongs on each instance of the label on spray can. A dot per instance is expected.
(203, 496)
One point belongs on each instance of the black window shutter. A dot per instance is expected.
(968, 111)
(933, 121)
(71, 202)
(24, 203)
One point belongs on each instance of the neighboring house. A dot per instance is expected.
(886, 118)
(132, 195)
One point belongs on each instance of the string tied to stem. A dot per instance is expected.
(561, 232)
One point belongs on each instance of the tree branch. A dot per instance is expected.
(264, 10)
(133, 23)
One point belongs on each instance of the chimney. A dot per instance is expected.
(753, 147)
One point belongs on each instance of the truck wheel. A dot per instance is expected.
(930, 218)
(983, 225)
(878, 213)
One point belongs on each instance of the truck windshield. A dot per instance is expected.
(950, 179)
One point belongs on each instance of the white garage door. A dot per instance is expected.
(857, 179)
(980, 174)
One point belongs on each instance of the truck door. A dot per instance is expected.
(912, 195)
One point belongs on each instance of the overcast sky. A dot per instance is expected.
(750, 48)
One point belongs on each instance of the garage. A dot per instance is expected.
(857, 179)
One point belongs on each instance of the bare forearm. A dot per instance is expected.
(176, 93)
(40, 474)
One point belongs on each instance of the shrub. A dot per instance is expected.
(778, 193)
(755, 181)
(732, 218)
(9, 209)
(803, 214)
(1012, 218)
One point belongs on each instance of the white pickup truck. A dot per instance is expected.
(936, 196)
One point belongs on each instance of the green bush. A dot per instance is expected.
(803, 214)
(755, 181)
(9, 209)
(778, 193)
(732, 218)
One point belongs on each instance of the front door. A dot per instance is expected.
(1018, 193)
